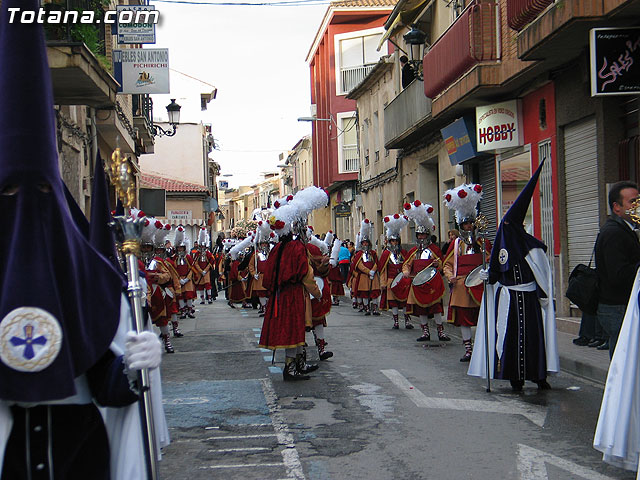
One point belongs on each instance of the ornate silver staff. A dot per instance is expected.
(481, 224)
(128, 234)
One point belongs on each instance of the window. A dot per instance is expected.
(376, 133)
(356, 56)
(347, 143)
(514, 173)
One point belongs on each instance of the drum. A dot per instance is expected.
(474, 284)
(428, 287)
(400, 287)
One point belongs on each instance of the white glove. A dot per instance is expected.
(332, 262)
(142, 351)
(244, 279)
(183, 281)
(168, 292)
(372, 274)
(484, 274)
(256, 276)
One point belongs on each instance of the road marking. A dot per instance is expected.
(290, 454)
(212, 428)
(237, 437)
(255, 329)
(532, 465)
(267, 358)
(265, 350)
(533, 413)
(257, 335)
(247, 449)
(273, 369)
(245, 465)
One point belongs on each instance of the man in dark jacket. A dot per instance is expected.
(617, 260)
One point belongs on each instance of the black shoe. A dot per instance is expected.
(604, 346)
(543, 385)
(408, 326)
(307, 368)
(466, 357)
(325, 355)
(581, 341)
(202, 302)
(596, 343)
(396, 327)
(191, 315)
(516, 385)
(424, 338)
(291, 373)
(231, 305)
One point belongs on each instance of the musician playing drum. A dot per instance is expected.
(390, 266)
(463, 256)
(423, 266)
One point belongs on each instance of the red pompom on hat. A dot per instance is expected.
(478, 188)
(396, 216)
(272, 235)
(386, 219)
(462, 193)
(417, 203)
(279, 224)
(276, 204)
(289, 198)
(366, 220)
(141, 214)
(167, 226)
(407, 206)
(158, 224)
(430, 210)
(447, 197)
(146, 222)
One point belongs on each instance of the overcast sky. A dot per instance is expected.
(255, 56)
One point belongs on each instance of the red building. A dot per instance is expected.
(343, 52)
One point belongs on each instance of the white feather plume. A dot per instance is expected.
(335, 250)
(328, 238)
(309, 199)
(394, 224)
(235, 251)
(464, 200)
(366, 230)
(320, 244)
(421, 215)
(179, 238)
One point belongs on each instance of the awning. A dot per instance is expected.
(410, 11)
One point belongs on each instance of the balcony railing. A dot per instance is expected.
(405, 112)
(522, 12)
(471, 39)
(352, 76)
(71, 30)
(142, 107)
(350, 161)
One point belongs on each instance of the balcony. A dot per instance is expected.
(522, 12)
(405, 115)
(473, 38)
(350, 161)
(561, 32)
(77, 61)
(352, 76)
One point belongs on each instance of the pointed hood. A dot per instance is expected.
(100, 233)
(63, 295)
(513, 243)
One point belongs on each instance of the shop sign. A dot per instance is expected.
(459, 140)
(142, 28)
(142, 70)
(179, 214)
(615, 61)
(499, 126)
(343, 210)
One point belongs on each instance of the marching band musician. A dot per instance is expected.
(366, 281)
(203, 268)
(184, 266)
(336, 280)
(289, 280)
(258, 261)
(463, 256)
(390, 265)
(425, 298)
(172, 289)
(320, 308)
(237, 276)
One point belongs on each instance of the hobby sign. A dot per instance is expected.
(499, 126)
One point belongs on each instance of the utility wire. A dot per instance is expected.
(284, 3)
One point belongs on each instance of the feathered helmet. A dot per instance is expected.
(203, 237)
(148, 229)
(281, 202)
(324, 248)
(240, 248)
(161, 233)
(180, 239)
(328, 238)
(366, 230)
(306, 201)
(394, 225)
(335, 251)
(263, 232)
(464, 200)
(229, 243)
(420, 213)
(282, 218)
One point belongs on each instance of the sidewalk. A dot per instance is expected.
(584, 362)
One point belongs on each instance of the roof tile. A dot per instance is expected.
(169, 184)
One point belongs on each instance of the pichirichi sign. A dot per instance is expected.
(499, 126)
(139, 70)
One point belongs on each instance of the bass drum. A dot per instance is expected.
(428, 287)
(475, 285)
(400, 287)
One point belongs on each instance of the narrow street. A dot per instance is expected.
(384, 407)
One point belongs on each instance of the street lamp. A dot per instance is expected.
(173, 111)
(415, 39)
(313, 119)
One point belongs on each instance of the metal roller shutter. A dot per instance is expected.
(488, 205)
(581, 170)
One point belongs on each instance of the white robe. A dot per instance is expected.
(618, 431)
(539, 264)
(122, 424)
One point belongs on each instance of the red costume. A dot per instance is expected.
(388, 271)
(288, 279)
(424, 299)
(320, 308)
(237, 292)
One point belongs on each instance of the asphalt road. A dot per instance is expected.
(384, 407)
